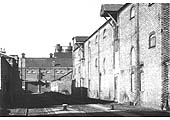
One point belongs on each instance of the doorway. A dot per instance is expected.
(115, 88)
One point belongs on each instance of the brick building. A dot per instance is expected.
(100, 62)
(10, 83)
(39, 74)
(94, 64)
(143, 34)
(131, 63)
(78, 78)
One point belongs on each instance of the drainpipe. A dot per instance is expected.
(115, 29)
(115, 35)
(99, 67)
(138, 58)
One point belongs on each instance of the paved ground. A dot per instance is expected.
(50, 104)
(85, 110)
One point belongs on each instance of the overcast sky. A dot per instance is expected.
(36, 26)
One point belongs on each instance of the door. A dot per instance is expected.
(115, 88)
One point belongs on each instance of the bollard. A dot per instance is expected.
(112, 106)
(65, 106)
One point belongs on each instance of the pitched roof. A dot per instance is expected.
(111, 9)
(48, 62)
(80, 39)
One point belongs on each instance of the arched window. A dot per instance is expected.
(132, 12)
(133, 57)
(152, 39)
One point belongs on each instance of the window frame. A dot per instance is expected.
(132, 10)
(152, 36)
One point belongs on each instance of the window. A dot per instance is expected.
(48, 71)
(104, 33)
(61, 72)
(96, 62)
(132, 12)
(116, 45)
(57, 71)
(89, 52)
(31, 72)
(104, 65)
(152, 40)
(142, 81)
(133, 57)
(79, 70)
(132, 82)
(150, 4)
(96, 39)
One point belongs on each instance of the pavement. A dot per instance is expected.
(90, 110)
(50, 104)
(132, 111)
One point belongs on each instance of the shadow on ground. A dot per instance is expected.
(52, 98)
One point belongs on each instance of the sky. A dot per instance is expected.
(34, 27)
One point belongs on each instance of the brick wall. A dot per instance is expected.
(165, 23)
(100, 74)
(128, 37)
(149, 21)
(151, 72)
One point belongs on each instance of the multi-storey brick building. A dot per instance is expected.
(78, 79)
(100, 62)
(40, 74)
(94, 64)
(132, 64)
(143, 34)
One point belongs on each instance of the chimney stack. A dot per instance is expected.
(58, 48)
(23, 55)
(51, 55)
(69, 48)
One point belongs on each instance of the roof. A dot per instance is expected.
(99, 29)
(111, 9)
(48, 62)
(80, 39)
